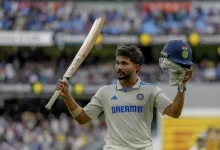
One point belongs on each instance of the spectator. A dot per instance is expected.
(47, 134)
(63, 17)
(200, 145)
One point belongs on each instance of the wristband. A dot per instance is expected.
(75, 113)
(182, 89)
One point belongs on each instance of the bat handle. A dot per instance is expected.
(54, 97)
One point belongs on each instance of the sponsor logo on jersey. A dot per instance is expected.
(114, 98)
(130, 108)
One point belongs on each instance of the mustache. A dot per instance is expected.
(119, 71)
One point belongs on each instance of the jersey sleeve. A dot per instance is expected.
(94, 107)
(161, 101)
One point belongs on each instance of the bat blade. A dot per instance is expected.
(86, 47)
(80, 56)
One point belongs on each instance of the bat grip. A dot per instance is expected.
(54, 97)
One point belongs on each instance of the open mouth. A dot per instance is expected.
(120, 73)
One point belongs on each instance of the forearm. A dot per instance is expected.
(178, 103)
(71, 104)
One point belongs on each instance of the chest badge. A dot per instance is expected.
(140, 96)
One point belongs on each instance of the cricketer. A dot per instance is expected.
(127, 104)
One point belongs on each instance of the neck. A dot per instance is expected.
(128, 83)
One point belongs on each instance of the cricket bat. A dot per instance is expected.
(80, 56)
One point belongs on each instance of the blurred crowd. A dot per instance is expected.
(209, 140)
(34, 132)
(64, 17)
(49, 72)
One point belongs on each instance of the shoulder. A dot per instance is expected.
(147, 84)
(150, 87)
(105, 90)
(108, 87)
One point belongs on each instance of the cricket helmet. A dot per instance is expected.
(178, 52)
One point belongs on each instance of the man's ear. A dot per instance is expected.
(137, 67)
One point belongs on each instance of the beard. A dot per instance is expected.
(122, 75)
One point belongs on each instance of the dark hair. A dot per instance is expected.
(133, 52)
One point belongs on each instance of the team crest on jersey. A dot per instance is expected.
(140, 96)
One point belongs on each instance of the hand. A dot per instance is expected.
(188, 75)
(63, 86)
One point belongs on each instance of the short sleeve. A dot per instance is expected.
(161, 100)
(94, 107)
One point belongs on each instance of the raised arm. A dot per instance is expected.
(75, 110)
(175, 109)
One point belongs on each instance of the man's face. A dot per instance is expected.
(125, 67)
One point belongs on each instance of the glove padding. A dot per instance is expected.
(176, 72)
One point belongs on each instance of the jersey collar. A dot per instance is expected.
(136, 85)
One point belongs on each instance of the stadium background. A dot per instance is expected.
(38, 40)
